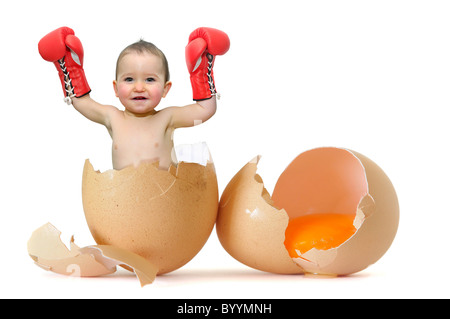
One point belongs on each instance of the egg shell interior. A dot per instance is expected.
(323, 180)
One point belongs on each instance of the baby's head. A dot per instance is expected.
(142, 77)
(141, 47)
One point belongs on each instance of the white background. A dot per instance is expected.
(372, 76)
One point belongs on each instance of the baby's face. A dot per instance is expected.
(140, 83)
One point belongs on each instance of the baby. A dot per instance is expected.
(139, 133)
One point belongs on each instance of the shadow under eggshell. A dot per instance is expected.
(164, 216)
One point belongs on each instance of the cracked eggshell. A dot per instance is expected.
(249, 228)
(252, 230)
(164, 216)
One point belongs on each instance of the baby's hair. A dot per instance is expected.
(142, 46)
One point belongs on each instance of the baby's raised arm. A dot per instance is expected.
(204, 44)
(93, 110)
(65, 50)
(193, 114)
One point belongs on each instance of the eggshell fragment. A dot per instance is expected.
(164, 216)
(250, 228)
(48, 251)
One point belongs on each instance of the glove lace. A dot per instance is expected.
(212, 87)
(67, 82)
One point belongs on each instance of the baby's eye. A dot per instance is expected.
(128, 79)
(150, 80)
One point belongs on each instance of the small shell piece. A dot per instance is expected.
(48, 251)
(164, 216)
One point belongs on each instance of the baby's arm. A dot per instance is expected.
(94, 111)
(65, 50)
(193, 114)
(204, 44)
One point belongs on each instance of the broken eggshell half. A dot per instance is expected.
(164, 216)
(251, 225)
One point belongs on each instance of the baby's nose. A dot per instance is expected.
(139, 86)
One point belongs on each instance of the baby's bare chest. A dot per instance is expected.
(144, 135)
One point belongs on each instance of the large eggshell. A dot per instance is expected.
(342, 181)
(250, 228)
(164, 216)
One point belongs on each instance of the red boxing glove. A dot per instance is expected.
(204, 44)
(64, 49)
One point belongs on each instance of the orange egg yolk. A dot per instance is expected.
(321, 231)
